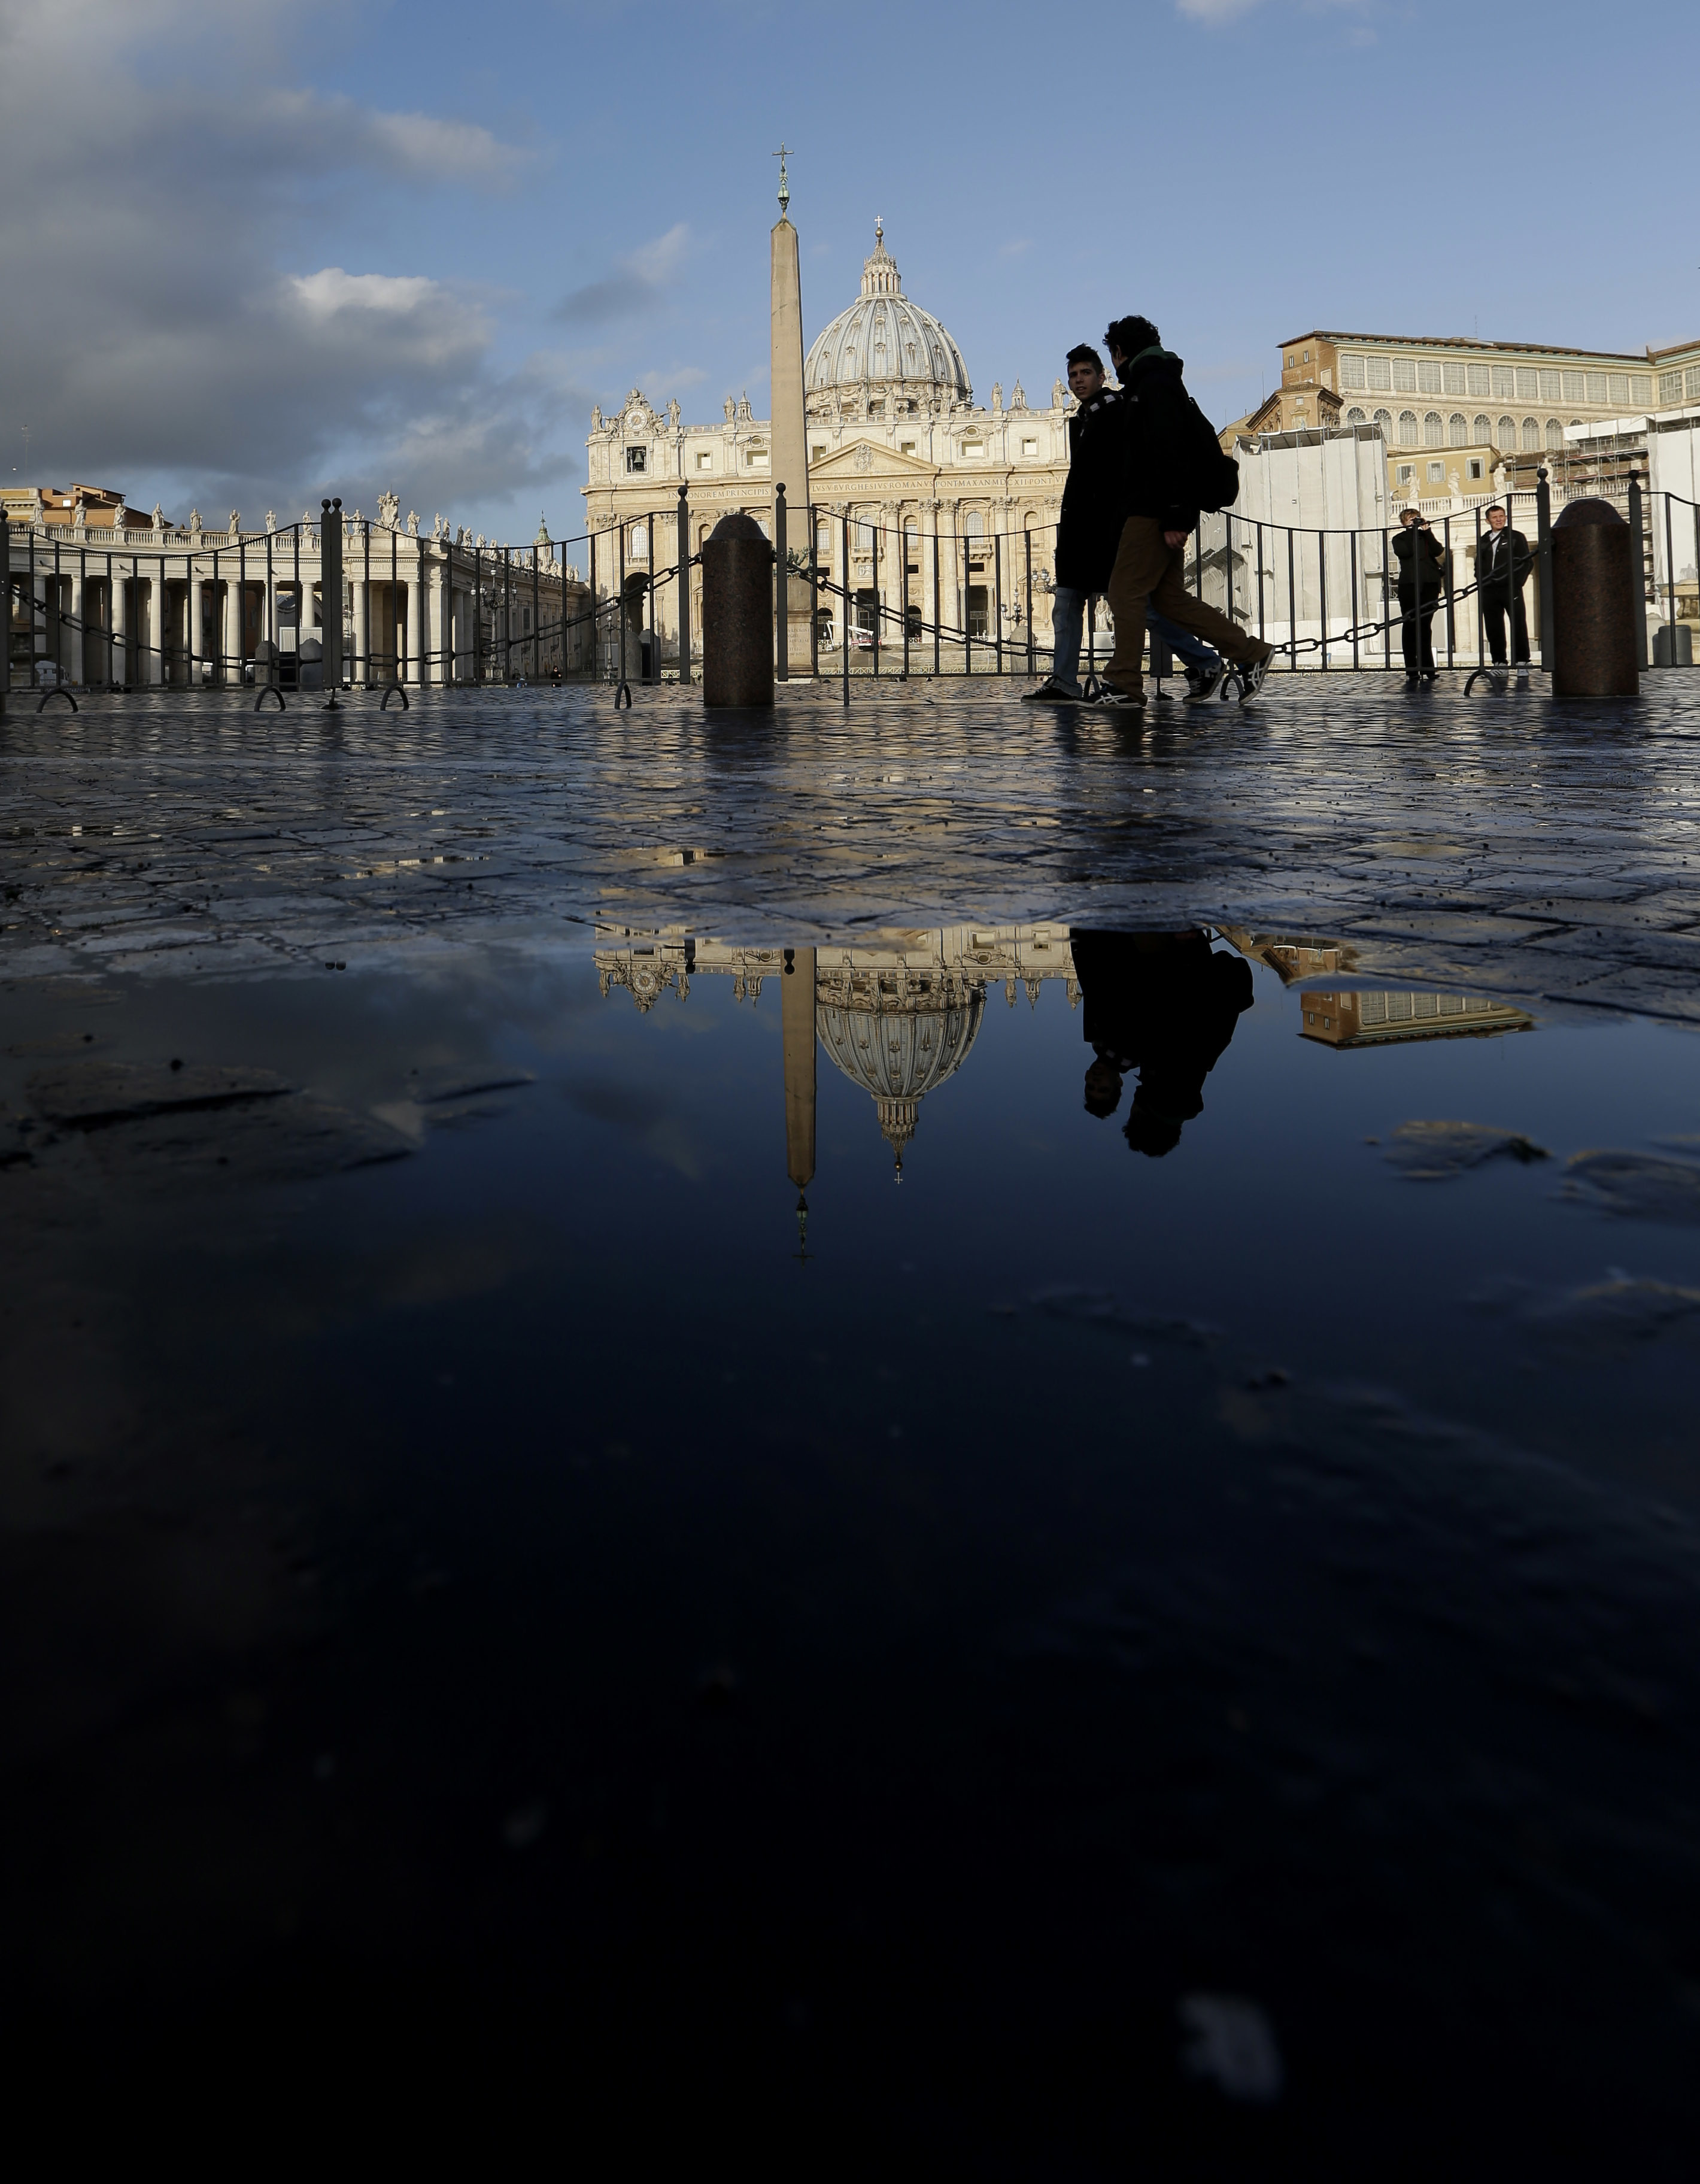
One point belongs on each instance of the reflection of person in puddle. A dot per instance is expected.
(1164, 1005)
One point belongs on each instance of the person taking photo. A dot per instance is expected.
(1422, 580)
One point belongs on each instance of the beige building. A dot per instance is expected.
(919, 492)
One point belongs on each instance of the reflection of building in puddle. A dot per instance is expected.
(1289, 956)
(1384, 1019)
(898, 1014)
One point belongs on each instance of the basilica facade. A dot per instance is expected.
(918, 492)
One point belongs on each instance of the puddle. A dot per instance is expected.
(1135, 1529)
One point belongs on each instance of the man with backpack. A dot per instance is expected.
(1172, 467)
(1088, 534)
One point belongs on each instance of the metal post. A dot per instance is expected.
(537, 605)
(998, 595)
(1669, 582)
(1386, 618)
(685, 583)
(655, 673)
(967, 621)
(330, 591)
(1352, 545)
(1292, 610)
(781, 632)
(1637, 555)
(937, 635)
(845, 601)
(1446, 579)
(1262, 639)
(5, 609)
(1321, 590)
(595, 607)
(903, 586)
(394, 647)
(1543, 521)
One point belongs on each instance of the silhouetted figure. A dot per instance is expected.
(1162, 1003)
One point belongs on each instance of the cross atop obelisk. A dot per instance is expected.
(781, 155)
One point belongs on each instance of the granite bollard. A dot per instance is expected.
(736, 614)
(1593, 604)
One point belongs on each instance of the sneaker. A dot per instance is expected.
(1204, 682)
(1051, 691)
(1252, 679)
(1117, 701)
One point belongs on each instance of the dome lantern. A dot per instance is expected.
(885, 344)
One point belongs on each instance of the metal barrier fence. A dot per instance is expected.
(130, 610)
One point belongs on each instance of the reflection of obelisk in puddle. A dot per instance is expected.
(797, 1027)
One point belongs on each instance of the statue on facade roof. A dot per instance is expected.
(673, 413)
(997, 394)
(731, 409)
(389, 510)
(596, 418)
(159, 517)
(271, 518)
(235, 521)
(413, 523)
(79, 520)
(195, 521)
(1058, 394)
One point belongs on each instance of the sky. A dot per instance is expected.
(253, 256)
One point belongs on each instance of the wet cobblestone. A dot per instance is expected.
(1499, 841)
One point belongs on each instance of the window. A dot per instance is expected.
(1358, 417)
(973, 451)
(528, 629)
(640, 542)
(1405, 374)
(1352, 372)
(1457, 431)
(1641, 387)
(1407, 471)
(973, 524)
(1670, 385)
(1481, 380)
(637, 461)
(1029, 447)
(817, 454)
(704, 459)
(1454, 374)
(1597, 387)
(906, 446)
(1382, 422)
(912, 547)
(824, 539)
(1506, 436)
(756, 455)
(1692, 382)
(1552, 387)
(1504, 380)
(1481, 432)
(1474, 468)
(1429, 379)
(1437, 474)
(1531, 433)
(1434, 432)
(1408, 428)
(1619, 383)
(1528, 382)
(1380, 373)
(1555, 433)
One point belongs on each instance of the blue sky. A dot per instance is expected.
(275, 252)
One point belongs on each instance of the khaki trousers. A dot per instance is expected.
(1147, 568)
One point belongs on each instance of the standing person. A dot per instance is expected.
(1088, 533)
(1503, 562)
(1421, 579)
(1172, 467)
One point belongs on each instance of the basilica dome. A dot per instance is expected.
(885, 343)
(897, 1038)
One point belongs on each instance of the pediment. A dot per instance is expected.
(867, 459)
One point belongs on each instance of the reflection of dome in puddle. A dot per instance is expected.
(897, 1037)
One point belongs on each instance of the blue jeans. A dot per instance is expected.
(1067, 627)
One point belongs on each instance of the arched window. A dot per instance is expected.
(1356, 417)
(1408, 428)
(1555, 433)
(1531, 433)
(1458, 430)
(1382, 422)
(973, 524)
(1434, 432)
(1506, 436)
(1481, 433)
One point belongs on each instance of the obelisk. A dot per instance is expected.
(797, 1040)
(789, 437)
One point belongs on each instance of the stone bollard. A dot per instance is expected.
(737, 614)
(1594, 594)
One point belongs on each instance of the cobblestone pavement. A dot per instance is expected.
(1500, 841)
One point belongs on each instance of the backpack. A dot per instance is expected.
(1215, 477)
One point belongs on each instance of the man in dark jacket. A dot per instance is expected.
(1163, 1004)
(1160, 505)
(1503, 563)
(1422, 581)
(1088, 533)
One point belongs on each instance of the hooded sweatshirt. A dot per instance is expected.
(1157, 431)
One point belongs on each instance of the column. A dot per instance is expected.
(197, 626)
(363, 628)
(416, 647)
(75, 653)
(118, 621)
(232, 644)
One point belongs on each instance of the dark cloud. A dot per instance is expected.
(641, 277)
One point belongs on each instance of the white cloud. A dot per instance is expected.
(1215, 11)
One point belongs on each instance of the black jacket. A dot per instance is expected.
(1432, 564)
(1502, 574)
(1165, 1003)
(1157, 431)
(1089, 528)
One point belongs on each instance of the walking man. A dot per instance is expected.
(1088, 533)
(1503, 562)
(1171, 468)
